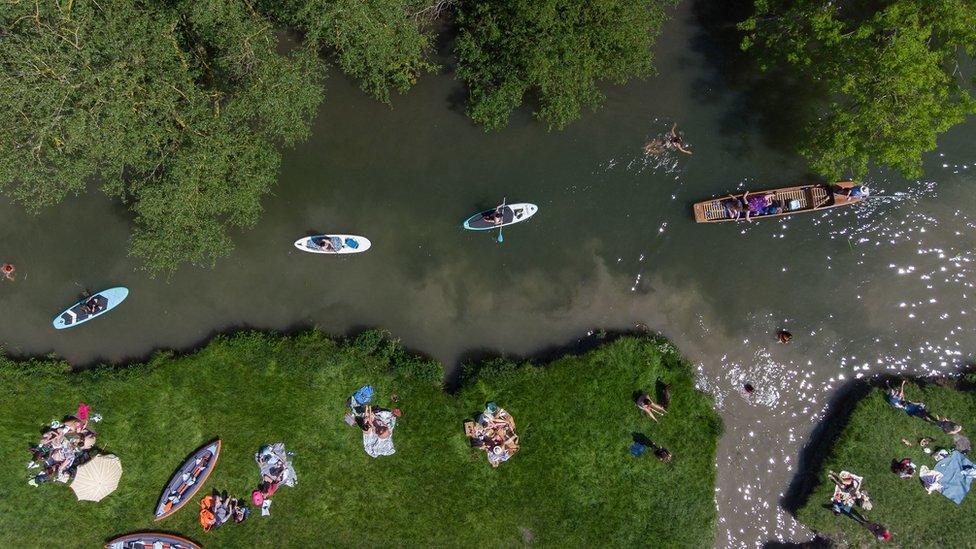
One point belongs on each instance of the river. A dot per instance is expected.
(882, 286)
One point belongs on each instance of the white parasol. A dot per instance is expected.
(97, 478)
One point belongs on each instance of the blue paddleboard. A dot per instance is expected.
(90, 307)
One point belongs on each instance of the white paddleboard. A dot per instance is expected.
(334, 244)
(511, 214)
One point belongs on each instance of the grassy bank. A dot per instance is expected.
(866, 446)
(573, 482)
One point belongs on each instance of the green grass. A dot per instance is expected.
(573, 483)
(866, 446)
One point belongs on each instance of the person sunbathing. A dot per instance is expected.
(896, 397)
(649, 407)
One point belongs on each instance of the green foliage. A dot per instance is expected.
(572, 484)
(888, 70)
(384, 44)
(175, 108)
(557, 50)
(869, 442)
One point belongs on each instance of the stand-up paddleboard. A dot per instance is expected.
(150, 540)
(187, 480)
(91, 307)
(511, 214)
(333, 244)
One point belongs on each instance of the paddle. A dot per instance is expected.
(501, 238)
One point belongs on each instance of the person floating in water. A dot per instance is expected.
(8, 271)
(675, 141)
(671, 141)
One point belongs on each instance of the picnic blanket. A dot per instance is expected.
(957, 476)
(376, 446)
(274, 460)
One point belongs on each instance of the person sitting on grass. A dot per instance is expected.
(649, 407)
(493, 432)
(948, 426)
(848, 492)
(904, 468)
(896, 397)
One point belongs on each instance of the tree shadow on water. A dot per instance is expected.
(821, 441)
(777, 103)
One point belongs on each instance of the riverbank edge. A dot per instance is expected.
(404, 365)
(845, 411)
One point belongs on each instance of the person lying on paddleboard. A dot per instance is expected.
(325, 244)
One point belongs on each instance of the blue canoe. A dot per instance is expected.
(81, 312)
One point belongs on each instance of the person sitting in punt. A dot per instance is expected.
(765, 204)
(734, 208)
(855, 191)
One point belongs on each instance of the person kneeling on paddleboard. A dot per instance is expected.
(495, 217)
(92, 305)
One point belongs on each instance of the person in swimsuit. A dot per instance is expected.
(675, 141)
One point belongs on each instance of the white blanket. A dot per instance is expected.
(376, 446)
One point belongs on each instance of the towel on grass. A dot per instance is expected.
(957, 476)
(376, 446)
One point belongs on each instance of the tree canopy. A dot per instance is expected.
(556, 50)
(175, 108)
(384, 44)
(888, 69)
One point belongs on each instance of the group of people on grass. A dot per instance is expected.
(218, 509)
(849, 494)
(848, 491)
(276, 470)
(653, 410)
(377, 424)
(64, 445)
(493, 432)
(905, 468)
(274, 463)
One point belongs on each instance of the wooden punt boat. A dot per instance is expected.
(188, 479)
(800, 199)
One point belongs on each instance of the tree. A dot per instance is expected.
(888, 70)
(557, 50)
(174, 108)
(384, 44)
